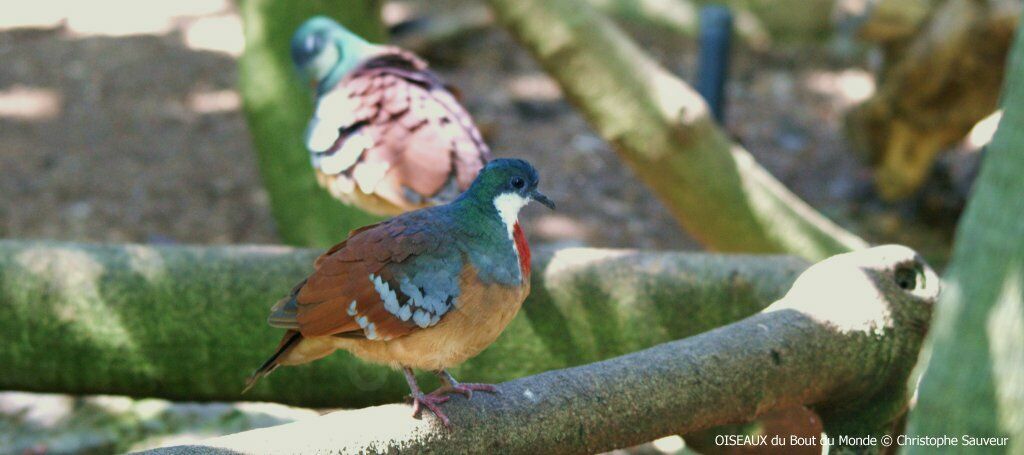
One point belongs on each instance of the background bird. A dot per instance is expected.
(386, 135)
(427, 289)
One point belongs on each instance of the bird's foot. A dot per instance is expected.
(431, 402)
(463, 388)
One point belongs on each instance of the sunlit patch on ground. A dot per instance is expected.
(846, 88)
(42, 14)
(534, 86)
(52, 423)
(210, 25)
(669, 444)
(221, 33)
(559, 227)
(395, 12)
(108, 17)
(29, 103)
(212, 102)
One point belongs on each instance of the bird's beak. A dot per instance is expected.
(540, 197)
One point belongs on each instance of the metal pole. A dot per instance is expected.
(713, 58)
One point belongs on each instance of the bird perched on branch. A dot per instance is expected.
(427, 289)
(387, 135)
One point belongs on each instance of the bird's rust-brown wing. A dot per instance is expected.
(383, 282)
(407, 139)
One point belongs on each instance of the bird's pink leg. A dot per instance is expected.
(421, 400)
(450, 385)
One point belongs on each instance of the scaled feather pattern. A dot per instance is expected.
(391, 278)
(390, 137)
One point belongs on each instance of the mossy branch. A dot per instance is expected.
(662, 128)
(843, 341)
(973, 384)
(188, 323)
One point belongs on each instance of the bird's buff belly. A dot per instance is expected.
(478, 320)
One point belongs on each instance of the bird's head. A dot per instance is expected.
(508, 185)
(325, 51)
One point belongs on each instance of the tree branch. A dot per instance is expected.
(843, 341)
(187, 323)
(973, 384)
(426, 33)
(661, 127)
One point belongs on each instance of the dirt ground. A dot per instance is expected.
(138, 137)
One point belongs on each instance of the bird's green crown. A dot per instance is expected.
(490, 208)
(325, 51)
(509, 182)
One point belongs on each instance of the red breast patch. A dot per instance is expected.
(523, 248)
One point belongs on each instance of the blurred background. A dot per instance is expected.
(121, 121)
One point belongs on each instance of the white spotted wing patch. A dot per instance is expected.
(387, 295)
(421, 318)
(368, 174)
(340, 160)
(422, 298)
(334, 121)
(369, 329)
(334, 112)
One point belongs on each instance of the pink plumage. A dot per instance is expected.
(402, 139)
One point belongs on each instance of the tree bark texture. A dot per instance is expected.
(974, 380)
(662, 128)
(843, 340)
(189, 323)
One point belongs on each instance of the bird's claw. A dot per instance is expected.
(430, 402)
(464, 388)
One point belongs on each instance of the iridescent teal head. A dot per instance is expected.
(508, 185)
(325, 51)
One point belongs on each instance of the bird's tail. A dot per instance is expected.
(290, 339)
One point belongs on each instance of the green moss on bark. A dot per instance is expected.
(803, 350)
(188, 323)
(974, 381)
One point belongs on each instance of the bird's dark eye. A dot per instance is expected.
(906, 278)
(518, 183)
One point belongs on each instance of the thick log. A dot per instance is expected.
(843, 340)
(188, 323)
(974, 382)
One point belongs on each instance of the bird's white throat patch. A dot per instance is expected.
(508, 206)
